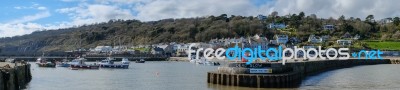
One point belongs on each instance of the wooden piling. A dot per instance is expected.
(15, 77)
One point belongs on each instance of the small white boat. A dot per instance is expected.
(141, 61)
(63, 63)
(109, 63)
(79, 63)
(125, 61)
(41, 62)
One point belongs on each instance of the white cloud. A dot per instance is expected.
(18, 7)
(33, 6)
(87, 14)
(41, 8)
(161, 9)
(31, 17)
(335, 8)
(73, 0)
(8, 30)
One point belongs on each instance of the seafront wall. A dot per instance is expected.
(281, 76)
(14, 77)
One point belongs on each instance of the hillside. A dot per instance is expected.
(134, 32)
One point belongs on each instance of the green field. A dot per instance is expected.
(384, 45)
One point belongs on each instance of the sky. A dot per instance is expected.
(19, 17)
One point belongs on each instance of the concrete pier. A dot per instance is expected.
(280, 76)
(14, 76)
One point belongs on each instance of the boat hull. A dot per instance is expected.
(46, 65)
(114, 66)
(140, 61)
(85, 66)
(63, 65)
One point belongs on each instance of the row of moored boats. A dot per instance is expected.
(80, 63)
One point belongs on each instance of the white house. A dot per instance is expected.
(255, 41)
(325, 38)
(227, 42)
(356, 37)
(277, 25)
(157, 50)
(344, 42)
(181, 49)
(314, 39)
(309, 47)
(329, 27)
(273, 42)
(261, 17)
(294, 40)
(120, 48)
(317, 39)
(103, 49)
(281, 39)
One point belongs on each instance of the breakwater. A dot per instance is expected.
(276, 75)
(14, 76)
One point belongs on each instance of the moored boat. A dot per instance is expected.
(125, 61)
(63, 63)
(140, 61)
(47, 64)
(109, 63)
(79, 63)
(41, 62)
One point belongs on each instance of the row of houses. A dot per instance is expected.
(283, 26)
(180, 49)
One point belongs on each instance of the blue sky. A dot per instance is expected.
(21, 17)
(17, 9)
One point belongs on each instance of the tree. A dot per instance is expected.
(301, 15)
(396, 21)
(274, 14)
(369, 18)
(342, 18)
(351, 19)
(313, 16)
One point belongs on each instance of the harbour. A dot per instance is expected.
(199, 45)
(171, 75)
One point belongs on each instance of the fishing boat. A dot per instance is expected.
(41, 62)
(125, 61)
(140, 61)
(63, 63)
(109, 63)
(79, 63)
